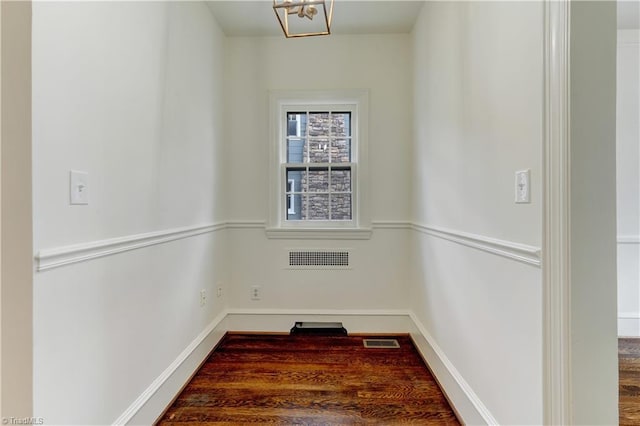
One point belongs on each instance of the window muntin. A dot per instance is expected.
(319, 166)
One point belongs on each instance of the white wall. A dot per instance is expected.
(132, 94)
(380, 63)
(478, 96)
(628, 182)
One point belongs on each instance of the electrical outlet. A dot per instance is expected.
(219, 292)
(203, 297)
(256, 292)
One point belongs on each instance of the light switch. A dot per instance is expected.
(523, 190)
(79, 187)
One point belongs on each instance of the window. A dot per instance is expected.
(318, 161)
(318, 165)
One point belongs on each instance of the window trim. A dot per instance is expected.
(357, 101)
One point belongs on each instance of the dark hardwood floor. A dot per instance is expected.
(629, 381)
(303, 380)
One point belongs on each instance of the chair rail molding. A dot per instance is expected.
(556, 216)
(629, 315)
(508, 249)
(245, 224)
(66, 255)
(628, 239)
(391, 224)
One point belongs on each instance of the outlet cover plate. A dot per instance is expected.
(256, 292)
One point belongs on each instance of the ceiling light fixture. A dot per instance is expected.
(302, 23)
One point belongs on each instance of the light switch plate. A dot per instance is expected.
(79, 187)
(523, 186)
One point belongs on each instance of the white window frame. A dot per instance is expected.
(281, 102)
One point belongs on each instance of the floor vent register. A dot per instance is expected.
(381, 343)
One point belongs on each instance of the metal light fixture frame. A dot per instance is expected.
(283, 8)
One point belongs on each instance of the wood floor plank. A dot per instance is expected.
(310, 380)
(629, 381)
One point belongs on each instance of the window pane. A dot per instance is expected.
(294, 207)
(318, 206)
(341, 207)
(295, 180)
(319, 151)
(341, 151)
(295, 150)
(341, 124)
(318, 180)
(297, 124)
(340, 180)
(319, 124)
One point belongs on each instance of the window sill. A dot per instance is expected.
(318, 233)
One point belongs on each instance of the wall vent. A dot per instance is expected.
(319, 259)
(381, 343)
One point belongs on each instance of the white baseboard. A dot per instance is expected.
(151, 403)
(467, 405)
(282, 320)
(629, 324)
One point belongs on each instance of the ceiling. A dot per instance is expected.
(256, 17)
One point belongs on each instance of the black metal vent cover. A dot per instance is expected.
(318, 258)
